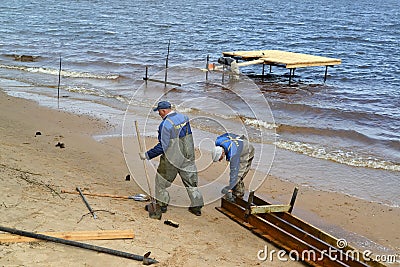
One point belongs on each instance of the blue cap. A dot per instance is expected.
(162, 105)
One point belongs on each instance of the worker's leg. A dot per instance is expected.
(190, 179)
(166, 174)
(238, 190)
(244, 168)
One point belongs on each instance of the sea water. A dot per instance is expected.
(342, 135)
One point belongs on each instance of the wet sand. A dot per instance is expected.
(33, 171)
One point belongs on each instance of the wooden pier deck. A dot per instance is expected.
(288, 60)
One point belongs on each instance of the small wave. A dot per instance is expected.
(344, 157)
(183, 109)
(83, 90)
(206, 113)
(64, 73)
(74, 74)
(247, 121)
(260, 123)
(344, 134)
(96, 92)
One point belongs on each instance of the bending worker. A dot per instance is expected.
(176, 147)
(240, 153)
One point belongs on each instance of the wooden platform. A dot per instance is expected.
(288, 60)
(277, 57)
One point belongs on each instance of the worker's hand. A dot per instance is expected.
(226, 190)
(228, 194)
(142, 155)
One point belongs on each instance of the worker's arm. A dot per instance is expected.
(163, 142)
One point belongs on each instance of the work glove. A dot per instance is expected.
(225, 190)
(142, 155)
(228, 194)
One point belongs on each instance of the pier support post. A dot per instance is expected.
(263, 72)
(208, 60)
(291, 74)
(326, 73)
(146, 77)
(166, 64)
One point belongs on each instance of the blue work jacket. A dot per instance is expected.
(174, 125)
(233, 147)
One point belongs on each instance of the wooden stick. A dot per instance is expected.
(97, 194)
(76, 235)
(156, 213)
(144, 163)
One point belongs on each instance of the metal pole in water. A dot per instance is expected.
(208, 60)
(166, 64)
(58, 87)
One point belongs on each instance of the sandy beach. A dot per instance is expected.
(33, 171)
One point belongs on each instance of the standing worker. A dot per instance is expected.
(240, 153)
(176, 147)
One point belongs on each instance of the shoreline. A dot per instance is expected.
(31, 164)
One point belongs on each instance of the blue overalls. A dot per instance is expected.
(176, 148)
(240, 153)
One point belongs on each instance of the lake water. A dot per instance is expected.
(342, 135)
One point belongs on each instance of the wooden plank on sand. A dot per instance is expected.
(269, 209)
(76, 235)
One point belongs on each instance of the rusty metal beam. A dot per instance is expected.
(292, 234)
(275, 234)
(327, 238)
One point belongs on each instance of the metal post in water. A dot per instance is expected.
(166, 64)
(58, 87)
(208, 60)
(146, 75)
(263, 72)
(223, 73)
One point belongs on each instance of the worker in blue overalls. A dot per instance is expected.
(240, 153)
(176, 147)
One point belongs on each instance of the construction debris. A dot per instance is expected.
(171, 223)
(293, 235)
(145, 259)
